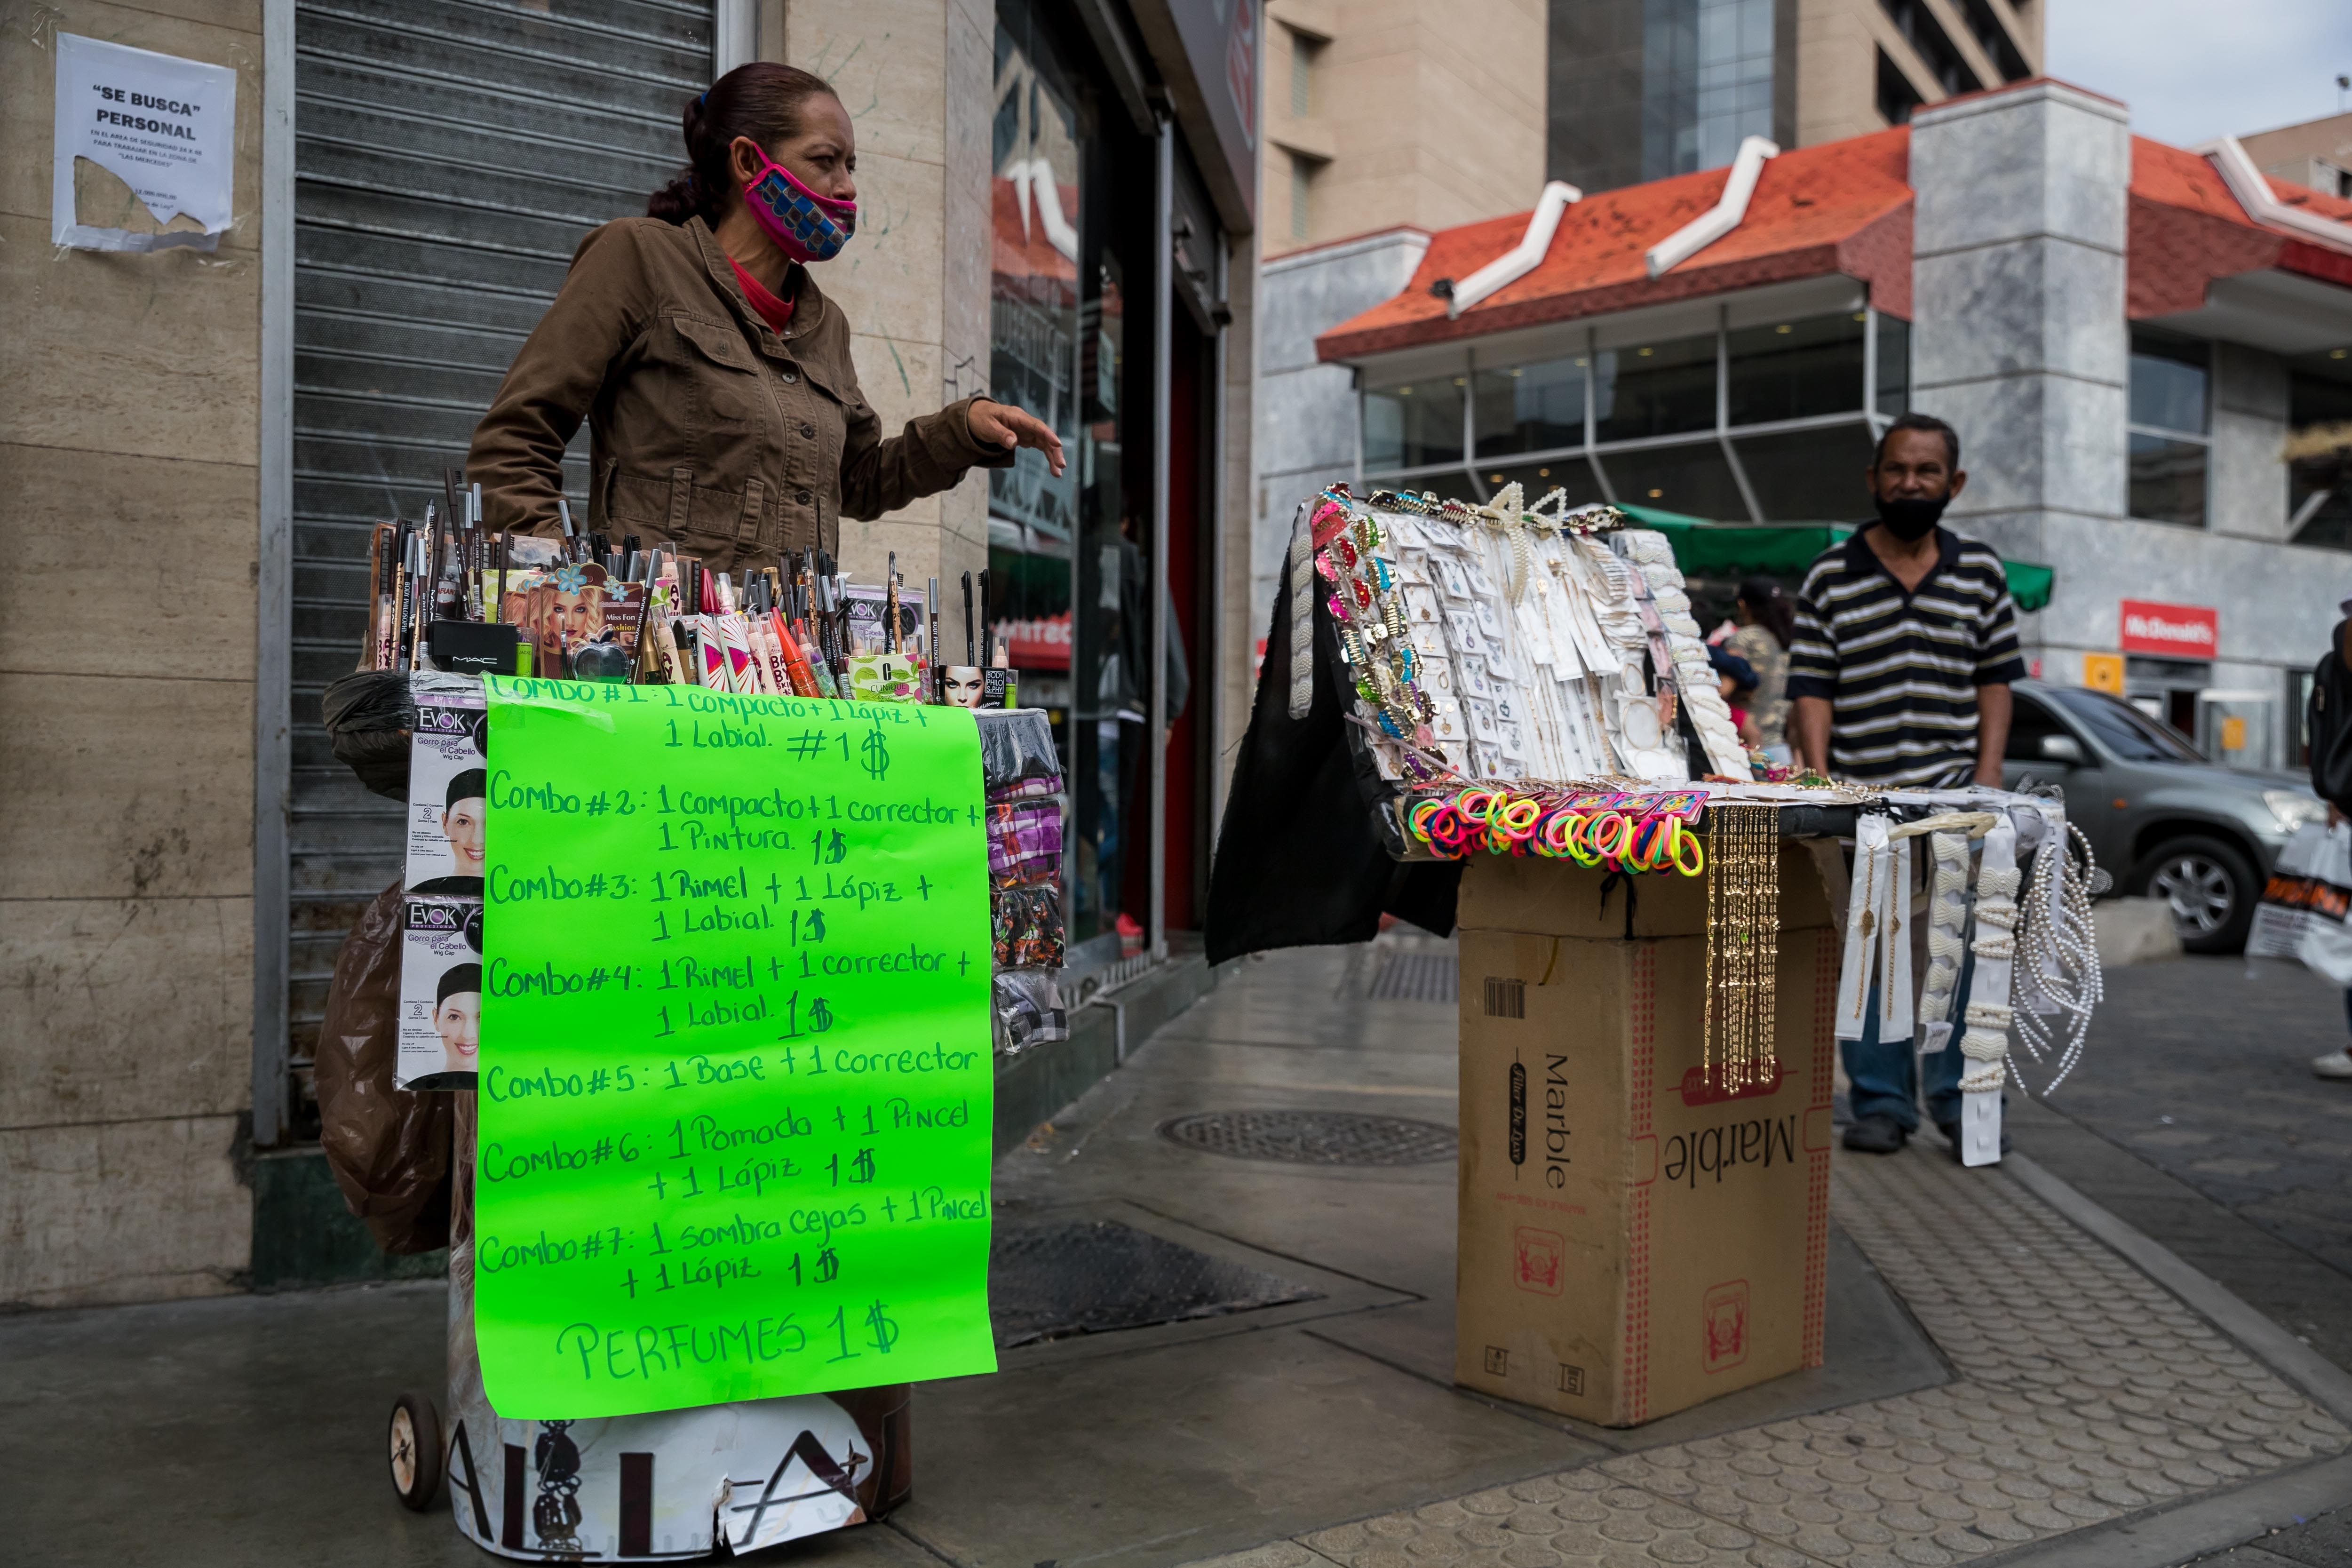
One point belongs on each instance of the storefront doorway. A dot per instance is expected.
(431, 230)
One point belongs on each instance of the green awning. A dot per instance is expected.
(1704, 547)
(2030, 584)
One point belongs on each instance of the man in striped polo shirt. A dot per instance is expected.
(1906, 644)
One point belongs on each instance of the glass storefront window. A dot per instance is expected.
(2319, 471)
(1034, 347)
(1893, 366)
(1808, 475)
(1693, 479)
(2168, 480)
(2169, 381)
(1536, 481)
(1653, 389)
(1069, 559)
(1796, 369)
(1412, 420)
(1529, 407)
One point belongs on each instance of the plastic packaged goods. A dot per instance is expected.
(1027, 813)
(387, 1148)
(1029, 1010)
(367, 717)
(1016, 745)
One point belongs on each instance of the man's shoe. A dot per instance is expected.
(2334, 1064)
(1951, 1131)
(1878, 1135)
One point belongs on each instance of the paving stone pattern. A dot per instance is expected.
(2203, 1068)
(2085, 1392)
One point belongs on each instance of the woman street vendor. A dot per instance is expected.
(725, 420)
(724, 414)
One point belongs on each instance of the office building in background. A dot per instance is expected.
(1642, 90)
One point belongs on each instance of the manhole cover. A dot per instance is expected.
(1049, 1281)
(1313, 1137)
(1415, 977)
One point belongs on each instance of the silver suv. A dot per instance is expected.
(2165, 822)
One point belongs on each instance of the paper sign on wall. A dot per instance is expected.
(165, 128)
(737, 1089)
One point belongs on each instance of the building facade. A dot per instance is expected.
(1641, 89)
(2132, 340)
(1382, 113)
(2317, 153)
(1059, 201)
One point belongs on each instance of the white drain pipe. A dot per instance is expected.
(1729, 210)
(1520, 259)
(2261, 203)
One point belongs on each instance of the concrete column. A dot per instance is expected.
(2249, 484)
(1305, 412)
(128, 387)
(2019, 338)
(917, 78)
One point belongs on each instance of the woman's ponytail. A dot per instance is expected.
(760, 100)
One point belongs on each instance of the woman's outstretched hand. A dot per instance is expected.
(1002, 425)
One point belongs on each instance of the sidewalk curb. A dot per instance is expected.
(2329, 1385)
(2236, 1518)
(2241, 1514)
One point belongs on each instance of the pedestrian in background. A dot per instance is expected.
(2328, 721)
(1767, 618)
(1906, 646)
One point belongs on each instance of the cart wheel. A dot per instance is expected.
(413, 1441)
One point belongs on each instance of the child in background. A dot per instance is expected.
(1735, 678)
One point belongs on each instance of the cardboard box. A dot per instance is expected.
(1635, 1238)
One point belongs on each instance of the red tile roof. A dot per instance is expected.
(1838, 208)
(2186, 229)
(1842, 207)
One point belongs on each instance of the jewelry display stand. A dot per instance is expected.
(1655, 968)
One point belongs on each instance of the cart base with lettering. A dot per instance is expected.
(669, 1484)
(682, 1461)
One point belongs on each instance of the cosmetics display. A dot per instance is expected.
(454, 602)
(448, 595)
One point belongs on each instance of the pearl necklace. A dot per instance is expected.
(2059, 953)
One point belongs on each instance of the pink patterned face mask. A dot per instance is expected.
(805, 227)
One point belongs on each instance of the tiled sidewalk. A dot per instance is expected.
(2085, 1392)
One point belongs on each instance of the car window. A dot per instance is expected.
(2028, 722)
(2124, 728)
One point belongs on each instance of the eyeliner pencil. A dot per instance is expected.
(931, 642)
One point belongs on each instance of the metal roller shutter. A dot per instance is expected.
(448, 156)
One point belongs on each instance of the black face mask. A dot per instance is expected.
(1911, 518)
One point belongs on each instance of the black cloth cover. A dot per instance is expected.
(1299, 860)
(2330, 716)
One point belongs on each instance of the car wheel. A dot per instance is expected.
(2211, 887)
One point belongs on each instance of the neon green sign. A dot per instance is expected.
(736, 1087)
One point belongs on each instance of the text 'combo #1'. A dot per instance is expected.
(736, 1090)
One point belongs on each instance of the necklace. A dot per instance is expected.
(2059, 953)
(1743, 945)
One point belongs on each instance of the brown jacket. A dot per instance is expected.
(707, 430)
